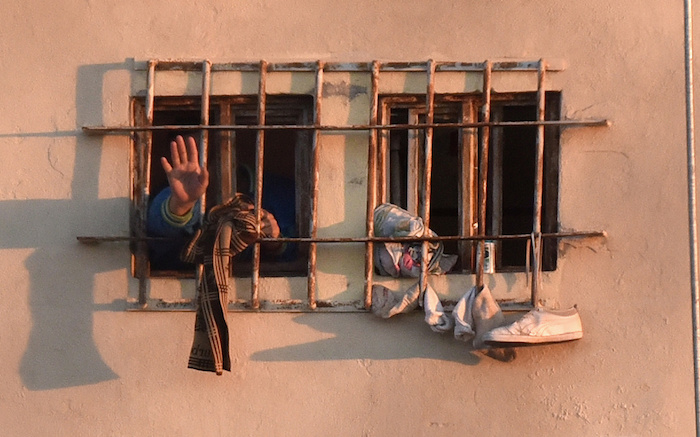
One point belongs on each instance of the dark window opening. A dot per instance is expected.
(286, 180)
(512, 180)
(511, 175)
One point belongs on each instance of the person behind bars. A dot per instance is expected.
(174, 214)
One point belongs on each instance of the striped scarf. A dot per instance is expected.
(223, 235)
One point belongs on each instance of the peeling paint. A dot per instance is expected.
(343, 89)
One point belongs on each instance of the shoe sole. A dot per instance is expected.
(532, 339)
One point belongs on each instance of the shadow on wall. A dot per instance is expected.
(404, 336)
(61, 350)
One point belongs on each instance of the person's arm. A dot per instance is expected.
(175, 232)
(163, 223)
(173, 213)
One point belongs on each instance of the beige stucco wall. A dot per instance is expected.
(74, 362)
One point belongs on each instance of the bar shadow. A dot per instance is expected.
(61, 350)
(404, 336)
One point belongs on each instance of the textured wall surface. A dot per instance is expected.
(74, 362)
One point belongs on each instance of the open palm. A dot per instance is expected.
(188, 181)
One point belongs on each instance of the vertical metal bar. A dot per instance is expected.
(371, 184)
(259, 165)
(483, 170)
(204, 121)
(150, 90)
(463, 188)
(142, 246)
(539, 184)
(203, 150)
(472, 202)
(427, 169)
(314, 186)
(692, 201)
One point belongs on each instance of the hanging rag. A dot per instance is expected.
(475, 314)
(434, 313)
(228, 229)
(404, 259)
(387, 303)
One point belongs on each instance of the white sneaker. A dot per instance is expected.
(539, 326)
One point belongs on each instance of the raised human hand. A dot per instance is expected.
(188, 180)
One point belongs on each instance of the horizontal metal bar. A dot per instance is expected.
(295, 306)
(592, 234)
(310, 67)
(195, 127)
(106, 239)
(282, 305)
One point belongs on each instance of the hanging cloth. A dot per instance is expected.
(228, 229)
(387, 303)
(403, 259)
(475, 314)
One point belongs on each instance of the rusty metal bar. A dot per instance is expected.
(204, 120)
(467, 200)
(293, 306)
(85, 239)
(101, 130)
(539, 187)
(418, 67)
(203, 150)
(384, 140)
(150, 90)
(483, 169)
(145, 179)
(427, 168)
(573, 234)
(311, 291)
(259, 165)
(371, 184)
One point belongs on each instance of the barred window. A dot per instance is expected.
(475, 161)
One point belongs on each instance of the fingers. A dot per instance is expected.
(166, 165)
(182, 153)
(192, 154)
(175, 151)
